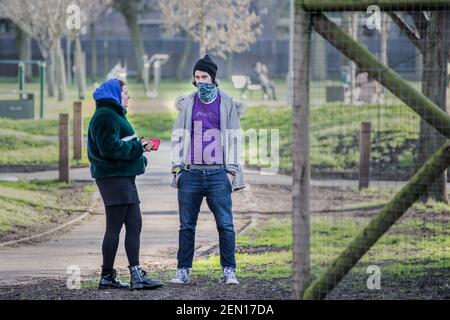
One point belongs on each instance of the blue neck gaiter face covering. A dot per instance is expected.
(207, 92)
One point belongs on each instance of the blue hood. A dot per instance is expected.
(111, 90)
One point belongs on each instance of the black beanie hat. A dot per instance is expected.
(206, 64)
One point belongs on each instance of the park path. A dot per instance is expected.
(80, 244)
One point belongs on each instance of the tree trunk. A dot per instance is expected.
(419, 64)
(131, 17)
(80, 69)
(23, 41)
(69, 60)
(230, 65)
(383, 47)
(60, 71)
(318, 58)
(202, 44)
(272, 26)
(184, 58)
(105, 58)
(350, 20)
(354, 34)
(290, 73)
(50, 74)
(301, 164)
(434, 86)
(93, 53)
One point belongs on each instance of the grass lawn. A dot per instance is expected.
(20, 147)
(334, 135)
(335, 130)
(330, 235)
(334, 127)
(35, 141)
(412, 254)
(30, 207)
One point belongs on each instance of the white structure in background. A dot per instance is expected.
(244, 84)
(118, 71)
(157, 60)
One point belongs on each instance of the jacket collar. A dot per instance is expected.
(110, 103)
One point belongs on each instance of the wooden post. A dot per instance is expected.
(64, 147)
(367, 237)
(301, 164)
(77, 130)
(364, 155)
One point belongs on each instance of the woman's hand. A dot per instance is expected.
(147, 144)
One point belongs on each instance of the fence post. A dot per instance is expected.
(21, 79)
(300, 153)
(364, 155)
(77, 130)
(64, 147)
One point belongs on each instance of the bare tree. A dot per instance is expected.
(43, 20)
(220, 27)
(185, 55)
(23, 41)
(130, 10)
(89, 11)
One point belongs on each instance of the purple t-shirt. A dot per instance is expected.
(206, 143)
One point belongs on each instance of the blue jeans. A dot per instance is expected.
(213, 184)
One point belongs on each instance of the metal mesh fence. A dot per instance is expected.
(368, 147)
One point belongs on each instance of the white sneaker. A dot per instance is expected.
(182, 276)
(230, 276)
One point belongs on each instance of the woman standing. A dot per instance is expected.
(117, 157)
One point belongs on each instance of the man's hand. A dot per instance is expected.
(176, 170)
(230, 178)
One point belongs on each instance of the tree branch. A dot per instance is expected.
(410, 32)
(421, 20)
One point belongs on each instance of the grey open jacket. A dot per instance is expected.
(230, 128)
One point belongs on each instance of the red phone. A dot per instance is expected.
(156, 143)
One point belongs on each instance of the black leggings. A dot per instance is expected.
(116, 216)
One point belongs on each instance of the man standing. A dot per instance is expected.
(205, 163)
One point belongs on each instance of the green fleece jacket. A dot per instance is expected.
(113, 148)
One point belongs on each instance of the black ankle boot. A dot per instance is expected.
(109, 281)
(140, 280)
